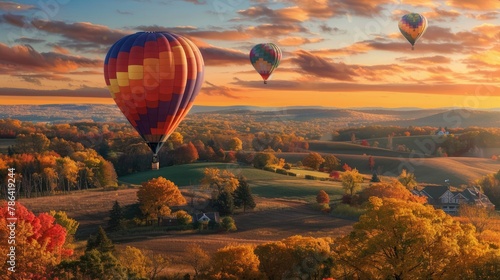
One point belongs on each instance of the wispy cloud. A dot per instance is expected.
(216, 90)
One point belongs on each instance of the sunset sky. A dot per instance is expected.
(343, 53)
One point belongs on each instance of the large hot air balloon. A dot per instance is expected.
(412, 26)
(265, 58)
(154, 78)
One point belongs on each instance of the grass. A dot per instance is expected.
(345, 211)
(263, 183)
(303, 172)
(191, 174)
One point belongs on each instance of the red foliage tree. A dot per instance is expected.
(346, 167)
(39, 243)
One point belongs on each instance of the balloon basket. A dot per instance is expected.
(155, 165)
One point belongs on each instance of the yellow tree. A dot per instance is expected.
(408, 179)
(351, 181)
(396, 239)
(275, 259)
(197, 258)
(235, 262)
(393, 189)
(219, 181)
(157, 195)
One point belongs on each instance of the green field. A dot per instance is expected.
(263, 183)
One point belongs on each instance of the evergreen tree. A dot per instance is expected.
(225, 203)
(117, 219)
(100, 242)
(375, 178)
(243, 196)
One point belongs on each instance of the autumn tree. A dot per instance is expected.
(134, 261)
(263, 159)
(31, 143)
(183, 217)
(331, 163)
(219, 181)
(235, 144)
(71, 225)
(346, 167)
(157, 195)
(371, 163)
(480, 217)
(313, 161)
(407, 179)
(176, 139)
(392, 189)
(197, 258)
(39, 244)
(351, 181)
(295, 257)
(275, 259)
(228, 224)
(243, 195)
(185, 154)
(490, 184)
(142, 264)
(235, 262)
(398, 239)
(322, 197)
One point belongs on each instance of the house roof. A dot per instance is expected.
(434, 192)
(211, 216)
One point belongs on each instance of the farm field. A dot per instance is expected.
(459, 170)
(282, 211)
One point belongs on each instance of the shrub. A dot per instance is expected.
(345, 211)
(269, 168)
(281, 171)
(311, 177)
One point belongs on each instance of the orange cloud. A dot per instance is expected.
(483, 5)
(298, 41)
(22, 59)
(317, 66)
(215, 90)
(442, 15)
(216, 56)
(430, 60)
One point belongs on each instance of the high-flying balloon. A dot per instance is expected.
(154, 78)
(412, 26)
(265, 58)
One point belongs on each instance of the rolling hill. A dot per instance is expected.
(65, 113)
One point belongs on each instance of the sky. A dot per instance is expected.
(342, 53)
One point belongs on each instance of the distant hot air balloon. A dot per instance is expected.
(154, 78)
(412, 26)
(265, 58)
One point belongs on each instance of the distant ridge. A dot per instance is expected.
(408, 116)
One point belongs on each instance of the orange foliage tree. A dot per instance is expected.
(392, 189)
(157, 195)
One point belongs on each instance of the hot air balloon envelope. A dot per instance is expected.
(412, 26)
(265, 58)
(154, 78)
